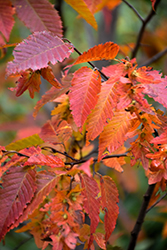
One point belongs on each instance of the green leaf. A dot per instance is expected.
(29, 141)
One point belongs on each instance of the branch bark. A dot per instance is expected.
(141, 32)
(144, 23)
(140, 219)
(154, 58)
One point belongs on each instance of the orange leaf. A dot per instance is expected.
(53, 93)
(56, 131)
(109, 198)
(48, 75)
(99, 238)
(113, 135)
(116, 163)
(83, 97)
(81, 7)
(106, 51)
(110, 4)
(28, 80)
(102, 111)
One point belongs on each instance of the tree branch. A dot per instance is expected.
(140, 219)
(91, 64)
(142, 29)
(162, 197)
(135, 11)
(154, 58)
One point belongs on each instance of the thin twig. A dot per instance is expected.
(162, 197)
(59, 152)
(91, 64)
(95, 159)
(142, 29)
(154, 58)
(23, 242)
(140, 219)
(135, 11)
(14, 152)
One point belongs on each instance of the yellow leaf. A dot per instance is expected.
(81, 7)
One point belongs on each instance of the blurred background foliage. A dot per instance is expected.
(121, 26)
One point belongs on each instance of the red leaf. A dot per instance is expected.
(18, 189)
(91, 203)
(6, 18)
(153, 3)
(39, 16)
(53, 93)
(18, 160)
(48, 160)
(162, 139)
(45, 183)
(86, 85)
(86, 167)
(37, 51)
(157, 91)
(106, 51)
(71, 240)
(48, 75)
(28, 80)
(109, 199)
(56, 131)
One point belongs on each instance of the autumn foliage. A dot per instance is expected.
(50, 180)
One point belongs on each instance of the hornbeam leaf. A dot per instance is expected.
(45, 183)
(48, 160)
(53, 93)
(81, 7)
(106, 51)
(39, 16)
(86, 85)
(157, 91)
(92, 5)
(99, 238)
(56, 131)
(91, 203)
(113, 135)
(102, 111)
(6, 18)
(162, 139)
(18, 189)
(37, 51)
(109, 199)
(27, 142)
(28, 80)
(48, 75)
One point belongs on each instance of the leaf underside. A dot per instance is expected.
(39, 16)
(18, 189)
(37, 51)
